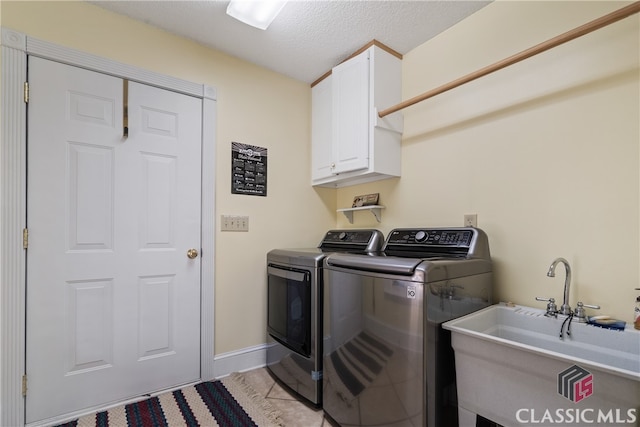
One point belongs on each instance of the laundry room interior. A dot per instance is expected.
(544, 155)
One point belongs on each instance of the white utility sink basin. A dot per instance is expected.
(510, 363)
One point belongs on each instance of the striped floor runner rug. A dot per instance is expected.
(228, 402)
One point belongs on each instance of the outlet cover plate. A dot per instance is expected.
(471, 220)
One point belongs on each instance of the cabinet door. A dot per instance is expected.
(321, 130)
(351, 114)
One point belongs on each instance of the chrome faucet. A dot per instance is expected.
(565, 308)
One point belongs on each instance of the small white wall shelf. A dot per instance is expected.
(376, 210)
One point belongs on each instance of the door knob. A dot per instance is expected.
(192, 253)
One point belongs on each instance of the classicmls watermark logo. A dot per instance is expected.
(575, 383)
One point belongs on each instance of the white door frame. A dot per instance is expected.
(15, 48)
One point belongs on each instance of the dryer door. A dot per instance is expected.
(289, 307)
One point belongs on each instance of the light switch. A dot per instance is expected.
(234, 223)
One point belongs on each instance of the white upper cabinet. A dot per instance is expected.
(350, 138)
(321, 130)
(350, 143)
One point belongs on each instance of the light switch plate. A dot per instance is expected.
(234, 223)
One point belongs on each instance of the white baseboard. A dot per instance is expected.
(241, 360)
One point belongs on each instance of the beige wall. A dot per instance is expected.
(256, 107)
(545, 152)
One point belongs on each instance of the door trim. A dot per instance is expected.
(16, 47)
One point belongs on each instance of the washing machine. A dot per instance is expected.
(295, 310)
(387, 360)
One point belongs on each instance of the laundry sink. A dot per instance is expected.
(516, 366)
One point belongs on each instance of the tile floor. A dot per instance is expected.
(294, 412)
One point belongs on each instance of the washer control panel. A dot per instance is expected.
(430, 237)
(453, 242)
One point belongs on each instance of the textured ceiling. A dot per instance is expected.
(308, 37)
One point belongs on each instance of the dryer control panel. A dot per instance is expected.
(353, 240)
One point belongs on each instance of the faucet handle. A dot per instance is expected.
(580, 313)
(552, 308)
(596, 307)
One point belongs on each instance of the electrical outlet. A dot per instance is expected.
(471, 220)
(234, 223)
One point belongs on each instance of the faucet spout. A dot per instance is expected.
(566, 307)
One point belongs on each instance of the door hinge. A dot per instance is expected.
(24, 385)
(26, 92)
(25, 238)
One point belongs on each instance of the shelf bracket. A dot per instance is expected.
(376, 210)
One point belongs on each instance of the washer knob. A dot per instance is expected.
(421, 236)
(342, 236)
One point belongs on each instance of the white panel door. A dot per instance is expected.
(113, 300)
